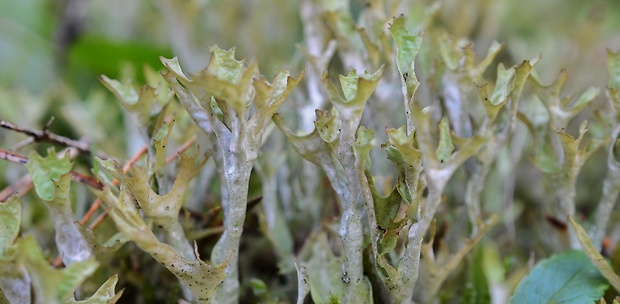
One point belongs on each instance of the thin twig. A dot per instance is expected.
(86, 180)
(57, 262)
(22, 144)
(181, 149)
(193, 214)
(13, 157)
(98, 220)
(46, 136)
(21, 187)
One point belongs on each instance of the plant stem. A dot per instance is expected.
(176, 238)
(352, 234)
(566, 199)
(237, 173)
(611, 189)
(475, 185)
(410, 264)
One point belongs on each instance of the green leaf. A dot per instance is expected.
(440, 157)
(104, 295)
(224, 66)
(11, 215)
(70, 240)
(125, 92)
(595, 256)
(574, 155)
(45, 170)
(477, 290)
(407, 158)
(363, 145)
(140, 103)
(391, 277)
(102, 251)
(445, 146)
(51, 285)
(522, 72)
(259, 288)
(613, 65)
(408, 48)
(586, 97)
(405, 145)
(386, 208)
(328, 125)
(269, 96)
(163, 209)
(227, 79)
(493, 267)
(561, 110)
(477, 71)
(500, 94)
(567, 277)
(389, 239)
(160, 142)
(14, 280)
(174, 67)
(312, 146)
(450, 50)
(200, 277)
(356, 88)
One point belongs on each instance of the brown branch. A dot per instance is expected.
(98, 221)
(57, 262)
(86, 180)
(182, 148)
(13, 157)
(21, 187)
(189, 213)
(46, 136)
(22, 144)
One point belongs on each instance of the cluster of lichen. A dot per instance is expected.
(412, 203)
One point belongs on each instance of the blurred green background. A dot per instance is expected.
(45, 43)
